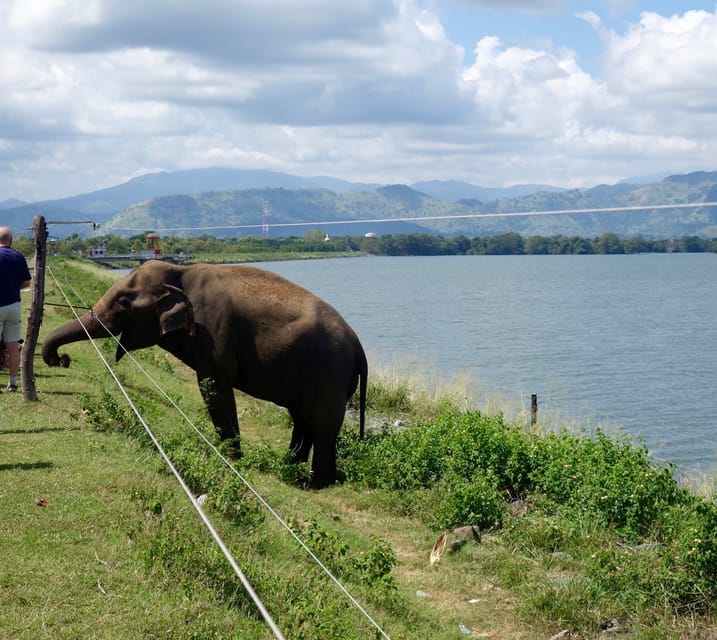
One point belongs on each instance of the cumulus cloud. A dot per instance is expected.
(97, 91)
(666, 58)
(535, 93)
(327, 63)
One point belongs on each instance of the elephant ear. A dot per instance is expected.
(174, 311)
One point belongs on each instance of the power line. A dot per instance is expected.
(463, 216)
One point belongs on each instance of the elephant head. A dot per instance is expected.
(139, 309)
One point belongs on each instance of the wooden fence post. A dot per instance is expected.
(533, 409)
(39, 229)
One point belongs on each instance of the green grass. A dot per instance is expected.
(577, 531)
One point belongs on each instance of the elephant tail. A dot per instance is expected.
(362, 366)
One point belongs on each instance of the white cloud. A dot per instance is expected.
(666, 58)
(98, 91)
(534, 93)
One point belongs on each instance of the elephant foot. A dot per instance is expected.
(318, 483)
(233, 448)
(322, 481)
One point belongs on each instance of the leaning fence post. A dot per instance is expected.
(27, 372)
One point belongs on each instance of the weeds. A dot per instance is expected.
(641, 544)
(633, 544)
(108, 415)
(371, 567)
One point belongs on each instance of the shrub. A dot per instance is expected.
(108, 415)
(613, 479)
(458, 467)
(681, 571)
(458, 501)
(372, 567)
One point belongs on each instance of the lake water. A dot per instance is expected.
(604, 341)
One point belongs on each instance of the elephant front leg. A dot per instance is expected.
(220, 403)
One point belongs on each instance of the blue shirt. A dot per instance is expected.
(13, 272)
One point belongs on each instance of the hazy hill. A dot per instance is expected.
(694, 187)
(153, 185)
(456, 190)
(12, 203)
(292, 212)
(229, 201)
(99, 206)
(227, 213)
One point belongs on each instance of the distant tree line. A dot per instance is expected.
(515, 244)
(412, 244)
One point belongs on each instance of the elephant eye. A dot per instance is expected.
(124, 302)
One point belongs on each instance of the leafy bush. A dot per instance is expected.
(206, 474)
(611, 478)
(681, 571)
(458, 467)
(456, 500)
(640, 538)
(108, 415)
(460, 444)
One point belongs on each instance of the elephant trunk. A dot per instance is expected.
(73, 331)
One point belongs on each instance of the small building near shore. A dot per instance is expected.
(100, 251)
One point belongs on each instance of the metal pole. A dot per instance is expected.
(39, 228)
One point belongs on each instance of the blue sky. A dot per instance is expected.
(553, 23)
(466, 23)
(493, 92)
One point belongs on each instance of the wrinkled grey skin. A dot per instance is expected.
(239, 328)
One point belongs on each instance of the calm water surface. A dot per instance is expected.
(603, 340)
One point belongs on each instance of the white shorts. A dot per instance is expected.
(10, 320)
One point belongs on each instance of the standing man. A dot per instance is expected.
(14, 275)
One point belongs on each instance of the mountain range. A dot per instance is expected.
(228, 202)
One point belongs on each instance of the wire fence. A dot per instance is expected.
(230, 467)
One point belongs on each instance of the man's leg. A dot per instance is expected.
(11, 331)
(13, 364)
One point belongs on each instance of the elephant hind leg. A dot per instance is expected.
(318, 430)
(323, 464)
(301, 442)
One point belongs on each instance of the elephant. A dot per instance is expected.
(238, 327)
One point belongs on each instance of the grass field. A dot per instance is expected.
(584, 536)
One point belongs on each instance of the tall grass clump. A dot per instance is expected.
(390, 393)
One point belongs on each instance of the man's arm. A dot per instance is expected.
(25, 283)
